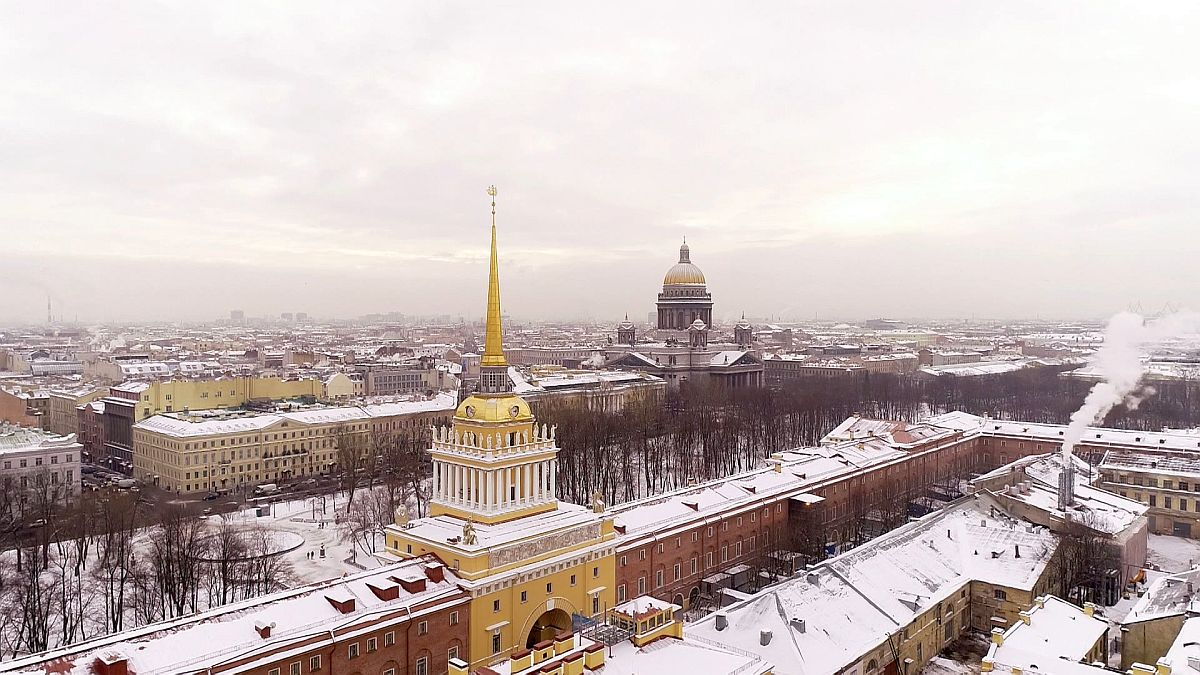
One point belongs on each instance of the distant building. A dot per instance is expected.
(596, 390)
(382, 378)
(35, 464)
(131, 402)
(683, 352)
(63, 417)
(237, 316)
(219, 450)
(24, 407)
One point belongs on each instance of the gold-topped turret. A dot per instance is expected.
(493, 346)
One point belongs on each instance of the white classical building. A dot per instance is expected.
(30, 458)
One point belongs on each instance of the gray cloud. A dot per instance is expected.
(840, 159)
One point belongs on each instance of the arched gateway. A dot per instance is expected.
(550, 623)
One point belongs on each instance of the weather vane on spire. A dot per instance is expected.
(492, 192)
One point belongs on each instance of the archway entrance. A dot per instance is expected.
(548, 625)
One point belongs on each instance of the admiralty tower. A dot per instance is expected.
(533, 564)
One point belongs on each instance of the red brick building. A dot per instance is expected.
(404, 619)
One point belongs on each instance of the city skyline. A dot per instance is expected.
(849, 161)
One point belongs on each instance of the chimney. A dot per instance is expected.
(764, 637)
(722, 621)
(264, 628)
(1089, 608)
(1018, 549)
(799, 624)
(1066, 484)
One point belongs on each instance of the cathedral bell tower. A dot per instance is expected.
(743, 333)
(626, 332)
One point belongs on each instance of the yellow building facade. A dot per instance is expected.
(222, 392)
(532, 564)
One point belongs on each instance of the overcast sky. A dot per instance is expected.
(834, 159)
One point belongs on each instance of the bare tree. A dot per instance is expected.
(350, 459)
(175, 545)
(117, 520)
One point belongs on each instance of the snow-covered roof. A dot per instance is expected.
(1167, 596)
(1099, 436)
(24, 439)
(850, 604)
(644, 605)
(1186, 649)
(199, 640)
(801, 471)
(1058, 633)
(1098, 509)
(208, 423)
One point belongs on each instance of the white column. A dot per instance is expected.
(490, 479)
(553, 478)
(527, 479)
(437, 486)
(460, 484)
(541, 481)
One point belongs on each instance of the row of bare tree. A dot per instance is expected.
(90, 565)
(704, 432)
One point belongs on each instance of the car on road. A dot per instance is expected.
(210, 496)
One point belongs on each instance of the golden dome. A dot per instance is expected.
(506, 408)
(684, 272)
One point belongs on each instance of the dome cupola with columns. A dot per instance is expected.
(684, 297)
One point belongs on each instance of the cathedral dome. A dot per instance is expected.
(684, 273)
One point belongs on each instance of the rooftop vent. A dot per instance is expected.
(111, 663)
(342, 603)
(799, 625)
(264, 628)
(384, 589)
(722, 621)
(764, 637)
(436, 572)
(412, 583)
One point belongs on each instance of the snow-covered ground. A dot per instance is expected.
(940, 665)
(318, 530)
(298, 528)
(1172, 554)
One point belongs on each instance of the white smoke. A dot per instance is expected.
(1119, 362)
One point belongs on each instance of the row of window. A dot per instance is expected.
(37, 461)
(695, 536)
(1167, 502)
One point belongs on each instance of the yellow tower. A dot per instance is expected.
(533, 564)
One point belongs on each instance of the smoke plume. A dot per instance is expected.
(1119, 362)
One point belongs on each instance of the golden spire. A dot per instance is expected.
(493, 345)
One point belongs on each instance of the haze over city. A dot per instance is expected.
(175, 161)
